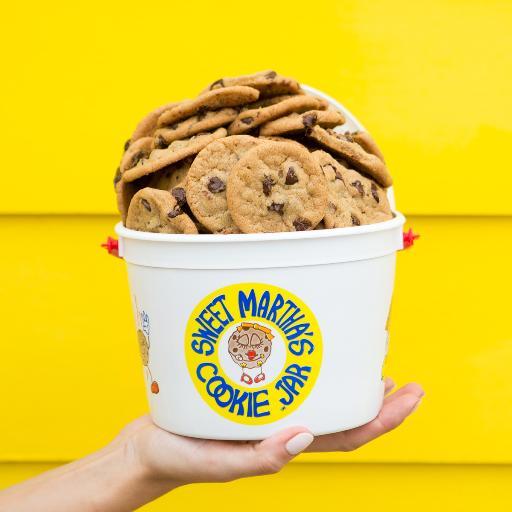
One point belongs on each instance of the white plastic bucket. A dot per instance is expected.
(243, 335)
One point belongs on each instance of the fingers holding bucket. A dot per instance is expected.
(389, 385)
(270, 455)
(411, 388)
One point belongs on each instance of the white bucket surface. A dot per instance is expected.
(243, 335)
(318, 300)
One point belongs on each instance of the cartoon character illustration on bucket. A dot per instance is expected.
(144, 345)
(250, 347)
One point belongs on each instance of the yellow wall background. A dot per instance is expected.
(430, 80)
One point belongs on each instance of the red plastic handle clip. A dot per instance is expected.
(409, 238)
(112, 246)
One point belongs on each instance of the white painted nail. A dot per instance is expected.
(299, 443)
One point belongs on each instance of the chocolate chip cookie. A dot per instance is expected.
(157, 211)
(172, 176)
(353, 200)
(207, 179)
(345, 146)
(269, 83)
(365, 140)
(250, 119)
(176, 151)
(201, 122)
(277, 187)
(212, 100)
(265, 102)
(137, 151)
(124, 193)
(147, 125)
(295, 122)
(276, 138)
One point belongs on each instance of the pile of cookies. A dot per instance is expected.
(250, 154)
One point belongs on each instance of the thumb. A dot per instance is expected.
(270, 455)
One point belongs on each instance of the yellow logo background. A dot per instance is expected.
(292, 386)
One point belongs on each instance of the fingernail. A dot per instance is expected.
(389, 383)
(299, 443)
(416, 405)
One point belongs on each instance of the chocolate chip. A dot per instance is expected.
(201, 113)
(301, 224)
(276, 207)
(127, 144)
(333, 207)
(375, 193)
(175, 212)
(136, 158)
(268, 183)
(217, 84)
(357, 184)
(160, 142)
(117, 176)
(309, 120)
(291, 177)
(337, 175)
(179, 194)
(216, 185)
(270, 75)
(146, 204)
(247, 120)
(355, 221)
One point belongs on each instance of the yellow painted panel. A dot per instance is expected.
(361, 487)
(429, 79)
(70, 374)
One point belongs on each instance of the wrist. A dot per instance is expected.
(141, 479)
(127, 482)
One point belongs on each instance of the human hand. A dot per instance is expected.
(184, 460)
(144, 462)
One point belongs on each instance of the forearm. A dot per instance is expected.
(110, 480)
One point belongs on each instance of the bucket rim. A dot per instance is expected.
(123, 232)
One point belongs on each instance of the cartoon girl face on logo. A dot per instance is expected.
(250, 345)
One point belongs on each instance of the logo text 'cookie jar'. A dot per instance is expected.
(253, 352)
